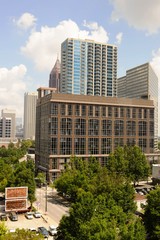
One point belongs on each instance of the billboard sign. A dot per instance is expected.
(16, 192)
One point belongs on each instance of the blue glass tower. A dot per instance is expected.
(88, 68)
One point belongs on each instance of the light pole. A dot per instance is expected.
(46, 194)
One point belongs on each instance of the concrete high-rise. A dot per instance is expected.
(8, 124)
(7, 127)
(30, 100)
(54, 77)
(141, 82)
(88, 68)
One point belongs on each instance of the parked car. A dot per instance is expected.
(52, 230)
(43, 231)
(37, 214)
(34, 230)
(3, 217)
(13, 216)
(29, 215)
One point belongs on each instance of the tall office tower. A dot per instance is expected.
(8, 124)
(30, 100)
(54, 77)
(141, 82)
(88, 68)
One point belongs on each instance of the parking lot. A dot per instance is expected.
(23, 222)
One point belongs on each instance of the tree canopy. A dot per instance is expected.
(152, 214)
(130, 162)
(103, 204)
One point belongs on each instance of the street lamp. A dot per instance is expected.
(46, 194)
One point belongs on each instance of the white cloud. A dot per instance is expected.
(155, 62)
(43, 46)
(12, 88)
(119, 38)
(140, 14)
(26, 21)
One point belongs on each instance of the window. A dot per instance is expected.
(151, 114)
(121, 112)
(54, 163)
(109, 111)
(103, 111)
(53, 129)
(128, 112)
(54, 108)
(139, 113)
(79, 146)
(63, 109)
(142, 128)
(131, 128)
(83, 110)
(134, 113)
(90, 111)
(118, 142)
(53, 146)
(93, 145)
(116, 112)
(106, 145)
(151, 128)
(66, 126)
(77, 110)
(97, 111)
(80, 127)
(69, 109)
(93, 127)
(131, 142)
(66, 146)
(118, 128)
(106, 128)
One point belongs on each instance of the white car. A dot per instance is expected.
(29, 215)
(52, 230)
(37, 214)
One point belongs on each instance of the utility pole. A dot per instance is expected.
(46, 195)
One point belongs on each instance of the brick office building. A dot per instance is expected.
(68, 125)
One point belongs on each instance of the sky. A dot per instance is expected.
(32, 32)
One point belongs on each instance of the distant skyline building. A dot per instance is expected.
(30, 100)
(54, 77)
(88, 68)
(141, 82)
(7, 126)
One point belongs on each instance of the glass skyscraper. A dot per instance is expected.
(88, 68)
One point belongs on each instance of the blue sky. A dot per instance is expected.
(32, 32)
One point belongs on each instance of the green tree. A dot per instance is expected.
(138, 167)
(3, 229)
(118, 162)
(92, 219)
(152, 214)
(24, 176)
(21, 234)
(129, 161)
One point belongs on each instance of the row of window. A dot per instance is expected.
(104, 111)
(92, 127)
(94, 145)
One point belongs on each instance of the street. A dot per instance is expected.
(53, 206)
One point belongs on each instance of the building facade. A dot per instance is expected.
(141, 82)
(88, 68)
(69, 125)
(30, 100)
(7, 127)
(54, 77)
